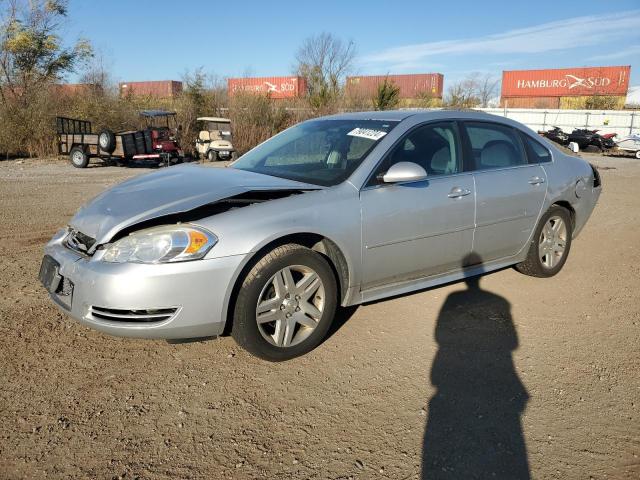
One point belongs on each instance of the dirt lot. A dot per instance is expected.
(556, 359)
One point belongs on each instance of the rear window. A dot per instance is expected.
(536, 152)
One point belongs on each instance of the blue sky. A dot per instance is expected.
(157, 40)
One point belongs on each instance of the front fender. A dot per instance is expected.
(332, 213)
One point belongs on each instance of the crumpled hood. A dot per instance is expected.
(168, 191)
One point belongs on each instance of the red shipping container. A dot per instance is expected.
(158, 88)
(566, 82)
(411, 85)
(71, 88)
(274, 87)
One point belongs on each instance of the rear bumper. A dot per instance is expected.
(197, 291)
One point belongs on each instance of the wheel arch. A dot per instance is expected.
(314, 241)
(567, 205)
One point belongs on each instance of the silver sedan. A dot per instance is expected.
(332, 212)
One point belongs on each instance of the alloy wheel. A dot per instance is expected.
(552, 242)
(290, 305)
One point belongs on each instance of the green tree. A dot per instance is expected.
(31, 50)
(32, 59)
(387, 96)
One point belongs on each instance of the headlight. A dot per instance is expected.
(170, 243)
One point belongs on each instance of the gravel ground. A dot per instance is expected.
(542, 373)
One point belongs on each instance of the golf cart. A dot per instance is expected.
(214, 139)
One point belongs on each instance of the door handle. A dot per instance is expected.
(457, 192)
(536, 180)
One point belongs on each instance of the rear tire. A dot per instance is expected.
(550, 244)
(107, 141)
(78, 157)
(286, 304)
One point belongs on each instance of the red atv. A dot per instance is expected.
(161, 132)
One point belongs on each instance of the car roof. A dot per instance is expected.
(424, 114)
(214, 119)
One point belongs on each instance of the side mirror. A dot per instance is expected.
(404, 172)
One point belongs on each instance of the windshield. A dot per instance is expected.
(321, 152)
(223, 127)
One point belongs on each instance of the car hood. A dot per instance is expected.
(173, 190)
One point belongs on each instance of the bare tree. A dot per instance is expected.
(462, 94)
(487, 86)
(324, 60)
(475, 90)
(97, 74)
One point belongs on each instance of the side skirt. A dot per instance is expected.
(402, 288)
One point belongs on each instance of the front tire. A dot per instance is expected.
(212, 156)
(286, 304)
(550, 244)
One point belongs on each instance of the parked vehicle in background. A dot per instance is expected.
(214, 139)
(557, 135)
(585, 138)
(155, 141)
(334, 211)
(630, 144)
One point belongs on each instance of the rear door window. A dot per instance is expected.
(494, 146)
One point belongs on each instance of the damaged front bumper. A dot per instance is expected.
(164, 301)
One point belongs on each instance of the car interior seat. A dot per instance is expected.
(497, 154)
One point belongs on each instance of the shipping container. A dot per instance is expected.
(599, 102)
(425, 102)
(566, 82)
(411, 85)
(530, 102)
(158, 88)
(70, 89)
(273, 87)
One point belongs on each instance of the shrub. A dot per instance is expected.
(387, 96)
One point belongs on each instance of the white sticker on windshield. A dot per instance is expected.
(369, 133)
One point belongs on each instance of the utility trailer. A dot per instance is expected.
(154, 142)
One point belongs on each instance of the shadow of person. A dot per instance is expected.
(473, 427)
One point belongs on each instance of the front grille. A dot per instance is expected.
(117, 315)
(79, 242)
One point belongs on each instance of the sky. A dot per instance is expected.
(162, 40)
